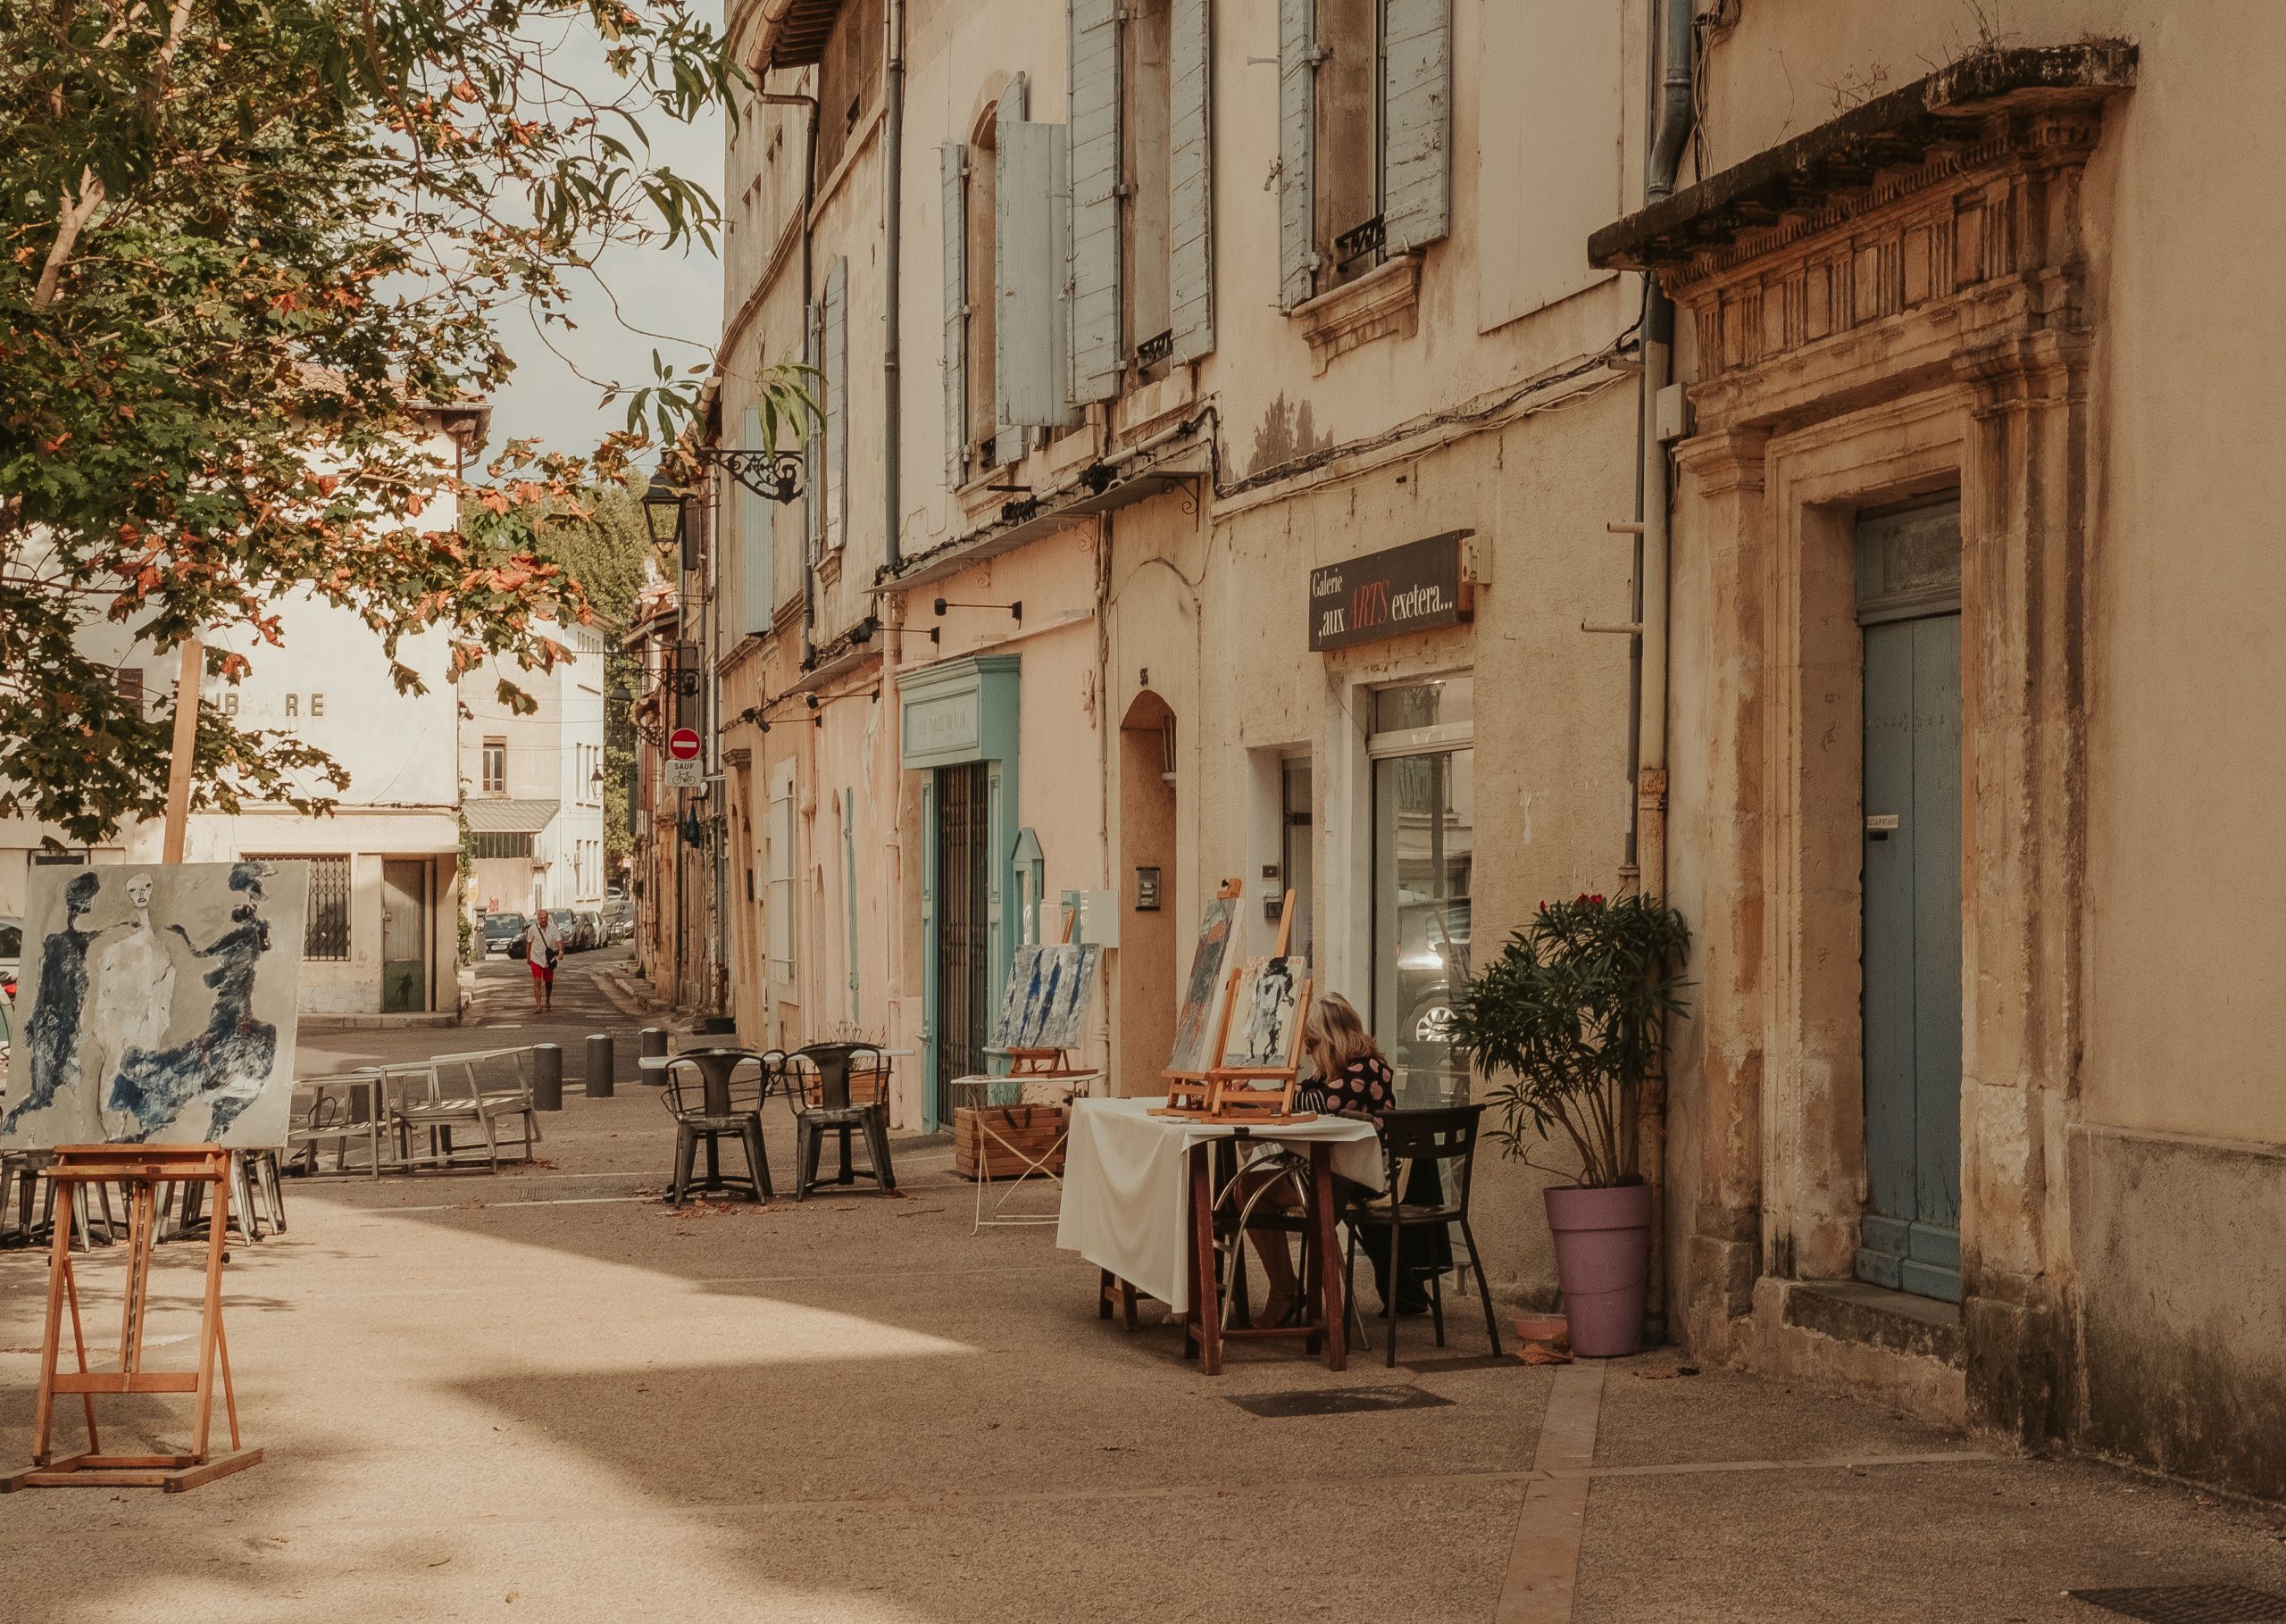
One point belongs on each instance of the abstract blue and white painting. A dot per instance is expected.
(1265, 1015)
(157, 1006)
(1046, 1005)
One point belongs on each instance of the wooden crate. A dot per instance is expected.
(1000, 1131)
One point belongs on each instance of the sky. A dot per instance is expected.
(676, 293)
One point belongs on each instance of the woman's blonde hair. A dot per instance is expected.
(1336, 1035)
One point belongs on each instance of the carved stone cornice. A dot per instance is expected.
(1383, 302)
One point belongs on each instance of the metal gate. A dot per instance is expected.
(963, 930)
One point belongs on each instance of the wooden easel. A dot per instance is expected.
(142, 1169)
(1234, 1093)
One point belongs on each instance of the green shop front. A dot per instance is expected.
(960, 731)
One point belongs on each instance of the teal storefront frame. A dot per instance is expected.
(952, 714)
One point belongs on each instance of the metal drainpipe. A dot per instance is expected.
(893, 232)
(1670, 70)
(809, 204)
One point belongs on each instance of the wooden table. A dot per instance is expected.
(1140, 1198)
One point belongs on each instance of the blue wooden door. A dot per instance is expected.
(1910, 1237)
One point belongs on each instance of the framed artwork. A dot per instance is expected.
(1265, 1015)
(1046, 1003)
(157, 1006)
(1202, 991)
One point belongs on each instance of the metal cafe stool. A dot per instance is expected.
(708, 1102)
(822, 1072)
(1437, 1137)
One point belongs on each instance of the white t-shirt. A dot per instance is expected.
(543, 944)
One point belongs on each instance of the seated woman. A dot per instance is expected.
(1352, 1076)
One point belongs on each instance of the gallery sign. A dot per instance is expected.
(1415, 587)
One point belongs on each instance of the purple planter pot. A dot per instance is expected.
(1603, 1260)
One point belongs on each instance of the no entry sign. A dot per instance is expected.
(682, 743)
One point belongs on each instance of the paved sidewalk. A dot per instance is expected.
(542, 1395)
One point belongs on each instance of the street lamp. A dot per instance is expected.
(662, 511)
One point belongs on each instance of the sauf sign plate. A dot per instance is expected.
(1413, 587)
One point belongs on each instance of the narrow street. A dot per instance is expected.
(543, 1393)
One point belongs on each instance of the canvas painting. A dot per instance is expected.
(1265, 1012)
(157, 1006)
(1046, 1005)
(1201, 993)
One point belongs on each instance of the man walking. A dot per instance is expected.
(543, 945)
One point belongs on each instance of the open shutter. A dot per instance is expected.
(757, 550)
(1097, 361)
(1192, 177)
(837, 404)
(1029, 328)
(1417, 121)
(814, 449)
(955, 167)
(1298, 115)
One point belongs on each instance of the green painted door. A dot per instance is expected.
(1908, 566)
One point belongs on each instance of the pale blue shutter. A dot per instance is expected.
(837, 404)
(814, 449)
(1417, 120)
(1192, 177)
(956, 170)
(1097, 359)
(1298, 68)
(757, 549)
(1029, 328)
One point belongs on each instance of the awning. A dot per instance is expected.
(502, 815)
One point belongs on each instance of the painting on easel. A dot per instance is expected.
(157, 1006)
(1196, 1026)
(1045, 1004)
(1266, 1014)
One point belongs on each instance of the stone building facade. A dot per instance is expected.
(1239, 426)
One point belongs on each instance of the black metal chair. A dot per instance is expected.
(1439, 1137)
(826, 1078)
(685, 1098)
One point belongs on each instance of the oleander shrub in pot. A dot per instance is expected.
(1571, 1021)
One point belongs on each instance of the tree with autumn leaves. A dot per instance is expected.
(250, 246)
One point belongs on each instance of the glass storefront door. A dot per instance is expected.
(1425, 827)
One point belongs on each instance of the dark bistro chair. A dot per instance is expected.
(829, 1078)
(1435, 1139)
(685, 1099)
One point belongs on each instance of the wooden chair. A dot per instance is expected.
(685, 1098)
(846, 1089)
(1440, 1137)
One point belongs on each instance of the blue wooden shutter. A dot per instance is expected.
(1192, 177)
(1417, 124)
(757, 550)
(814, 449)
(1029, 328)
(956, 173)
(1098, 358)
(1298, 68)
(837, 403)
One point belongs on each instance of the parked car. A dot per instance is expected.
(1432, 961)
(504, 933)
(12, 952)
(619, 919)
(592, 930)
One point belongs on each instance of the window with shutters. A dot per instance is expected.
(1348, 227)
(1145, 140)
(1365, 126)
(971, 247)
(849, 81)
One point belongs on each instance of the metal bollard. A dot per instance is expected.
(600, 1077)
(654, 1042)
(547, 1076)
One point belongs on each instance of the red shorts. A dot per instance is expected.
(545, 974)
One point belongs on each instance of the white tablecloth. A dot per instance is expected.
(1126, 1196)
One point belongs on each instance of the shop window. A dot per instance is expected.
(326, 937)
(1425, 827)
(496, 766)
